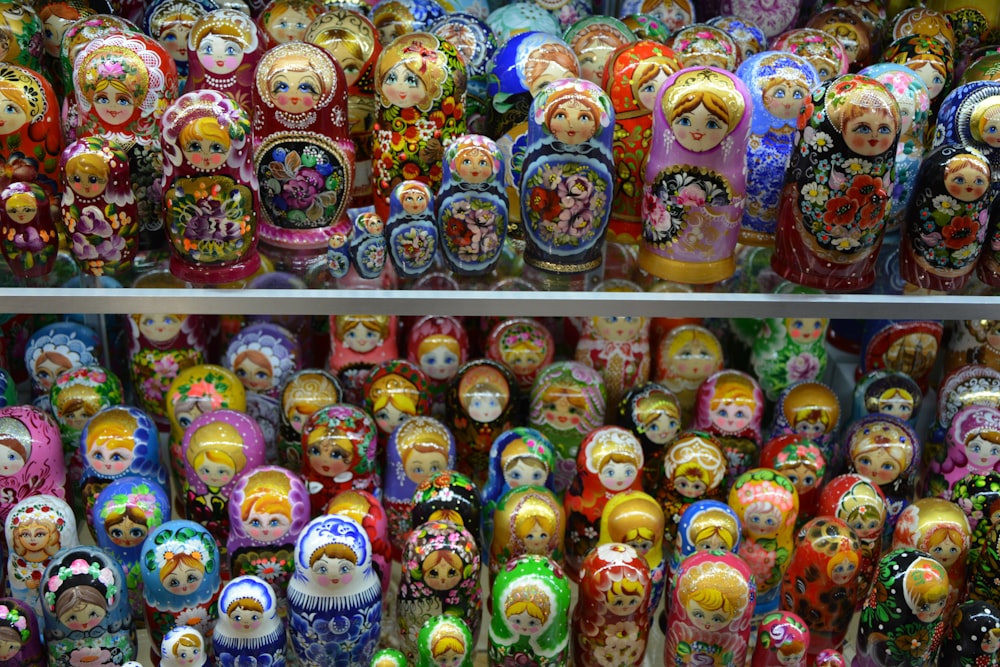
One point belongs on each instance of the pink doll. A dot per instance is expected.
(31, 460)
(357, 344)
(440, 346)
(618, 348)
(731, 407)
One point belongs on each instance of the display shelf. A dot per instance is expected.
(517, 303)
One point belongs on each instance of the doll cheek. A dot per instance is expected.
(282, 99)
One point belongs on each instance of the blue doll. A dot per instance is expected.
(335, 597)
(410, 231)
(54, 349)
(706, 525)
(887, 392)
(248, 625)
(476, 44)
(970, 115)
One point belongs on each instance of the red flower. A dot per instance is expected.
(410, 114)
(545, 202)
(458, 232)
(840, 211)
(866, 189)
(412, 133)
(871, 215)
(411, 171)
(960, 232)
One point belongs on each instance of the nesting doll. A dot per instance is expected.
(123, 514)
(180, 578)
(568, 401)
(357, 344)
(812, 410)
(730, 406)
(748, 34)
(35, 530)
(970, 385)
(31, 461)
(439, 345)
(822, 50)
(394, 18)
(610, 620)
(304, 393)
(248, 625)
(862, 506)
(86, 610)
(393, 392)
(267, 510)
(440, 577)
(335, 598)
(830, 658)
(768, 505)
(653, 415)
(340, 449)
(518, 457)
(930, 58)
(890, 393)
(694, 467)
(973, 443)
(858, 37)
(182, 646)
(304, 156)
(477, 45)
(712, 601)
(705, 525)
(77, 395)
(509, 22)
(779, 85)
(419, 79)
(789, 350)
(530, 621)
(704, 45)
(907, 346)
(925, 22)
(593, 39)
(32, 140)
(908, 600)
(29, 240)
(973, 637)
(449, 496)
(802, 462)
(481, 402)
(169, 22)
(224, 47)
(410, 231)
(635, 519)
(389, 657)
(618, 348)
(685, 358)
(21, 642)
(782, 640)
(285, 21)
(367, 510)
(527, 520)
(56, 348)
(523, 345)
(444, 640)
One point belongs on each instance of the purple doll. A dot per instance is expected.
(223, 49)
(20, 639)
(973, 443)
(31, 460)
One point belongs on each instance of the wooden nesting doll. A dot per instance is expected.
(86, 609)
(527, 520)
(169, 23)
(440, 577)
(712, 601)
(418, 448)
(410, 230)
(335, 598)
(675, 14)
(394, 18)
(704, 45)
(477, 45)
(705, 525)
(419, 80)
(367, 510)
(303, 153)
(789, 350)
(180, 578)
(304, 393)
(36, 529)
(393, 392)
(567, 176)
(472, 205)
(942, 229)
(748, 34)
(285, 21)
(930, 58)
(518, 457)
(694, 467)
(28, 237)
(481, 403)
(822, 50)
(701, 117)
(224, 47)
(978, 496)
(782, 640)
(653, 415)
(902, 622)
(208, 186)
(890, 393)
(608, 463)
(768, 505)
(635, 519)
(973, 637)
(182, 647)
(31, 461)
(779, 85)
(523, 345)
(925, 22)
(56, 348)
(530, 623)
(685, 358)
(21, 642)
(821, 582)
(830, 658)
(730, 406)
(593, 40)
(802, 462)
(248, 625)
(858, 37)
(812, 410)
(445, 640)
(341, 446)
(610, 620)
(30, 139)
(439, 345)
(357, 344)
(568, 401)
(973, 443)
(389, 657)
(449, 496)
(618, 348)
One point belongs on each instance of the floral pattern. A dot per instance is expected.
(303, 186)
(210, 219)
(563, 205)
(674, 194)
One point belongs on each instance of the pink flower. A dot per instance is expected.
(79, 566)
(691, 195)
(803, 368)
(167, 366)
(704, 34)
(760, 560)
(110, 69)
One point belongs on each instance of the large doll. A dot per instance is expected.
(224, 47)
(31, 460)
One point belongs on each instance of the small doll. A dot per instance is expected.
(357, 344)
(527, 520)
(410, 230)
(445, 640)
(930, 58)
(712, 602)
(389, 657)
(523, 345)
(730, 406)
(21, 642)
(31, 461)
(418, 448)
(340, 446)
(973, 443)
(821, 582)
(449, 496)
(334, 582)
(54, 349)
(530, 623)
(481, 402)
(748, 35)
(704, 45)
(609, 463)
(395, 391)
(300, 115)
(285, 21)
(694, 467)
(685, 358)
(823, 51)
(518, 457)
(675, 14)
(924, 22)
(182, 646)
(248, 625)
(123, 514)
(35, 530)
(29, 239)
(782, 641)
(419, 79)
(395, 18)
(911, 590)
(224, 47)
(468, 32)
(593, 39)
(303, 394)
(363, 249)
(810, 410)
(635, 519)
(768, 505)
(610, 620)
(974, 636)
(618, 348)
(268, 508)
(889, 393)
(967, 386)
(802, 462)
(440, 577)
(653, 415)
(181, 582)
(367, 510)
(471, 205)
(86, 610)
(705, 525)
(568, 401)
(439, 345)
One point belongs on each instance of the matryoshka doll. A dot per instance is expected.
(704, 45)
(367, 510)
(925, 22)
(747, 33)
(822, 50)
(635, 519)
(523, 345)
(419, 79)
(449, 496)
(779, 85)
(568, 401)
(973, 448)
(731, 407)
(810, 410)
(36, 529)
(973, 637)
(304, 393)
(357, 344)
(705, 525)
(593, 39)
(207, 146)
(340, 449)
(859, 37)
(182, 647)
(527, 520)
(889, 393)
(802, 462)
(86, 610)
(440, 346)
(701, 117)
(28, 237)
(393, 392)
(445, 640)
(530, 622)
(685, 358)
(712, 602)
(567, 177)
(180, 578)
(440, 577)
(472, 205)
(21, 642)
(334, 580)
(653, 415)
(303, 153)
(224, 46)
(32, 140)
(906, 346)
(782, 641)
(395, 18)
(410, 231)
(694, 467)
(248, 625)
(675, 14)
(611, 621)
(54, 349)
(821, 582)
(829, 233)
(31, 460)
(285, 21)
(169, 22)
(468, 32)
(908, 601)
(124, 513)
(481, 403)
(617, 347)
(930, 58)
(768, 505)
(789, 350)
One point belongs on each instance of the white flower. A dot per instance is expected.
(820, 141)
(856, 167)
(815, 193)
(945, 204)
(196, 618)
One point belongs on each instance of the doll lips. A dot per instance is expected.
(326, 468)
(697, 136)
(220, 63)
(873, 142)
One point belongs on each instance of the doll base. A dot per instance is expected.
(303, 239)
(921, 276)
(694, 273)
(626, 232)
(825, 276)
(209, 275)
(988, 270)
(756, 239)
(555, 267)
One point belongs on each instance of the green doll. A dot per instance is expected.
(445, 640)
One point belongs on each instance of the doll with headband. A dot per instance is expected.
(357, 344)
(223, 47)
(527, 520)
(782, 641)
(974, 636)
(28, 237)
(169, 22)
(593, 40)
(439, 345)
(888, 392)
(810, 410)
(694, 467)
(931, 58)
(248, 625)
(36, 529)
(476, 42)
(183, 646)
(523, 345)
(21, 642)
(31, 460)
(730, 406)
(973, 448)
(704, 45)
(635, 519)
(822, 50)
(445, 640)
(480, 406)
(340, 444)
(304, 393)
(410, 229)
(85, 602)
(705, 525)
(393, 392)
(367, 510)
(802, 462)
(56, 348)
(684, 359)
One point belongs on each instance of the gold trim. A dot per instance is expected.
(695, 273)
(756, 239)
(563, 268)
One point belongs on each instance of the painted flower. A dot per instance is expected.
(575, 193)
(821, 142)
(945, 204)
(815, 193)
(197, 618)
(915, 644)
(111, 249)
(840, 211)
(92, 223)
(691, 195)
(29, 240)
(802, 368)
(760, 560)
(857, 167)
(302, 188)
(960, 232)
(209, 223)
(544, 202)
(90, 656)
(519, 660)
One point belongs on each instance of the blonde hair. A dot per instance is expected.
(249, 604)
(377, 323)
(714, 587)
(433, 78)
(696, 98)
(217, 442)
(435, 341)
(333, 550)
(51, 545)
(178, 558)
(394, 390)
(840, 556)
(87, 164)
(189, 640)
(624, 587)
(204, 128)
(527, 599)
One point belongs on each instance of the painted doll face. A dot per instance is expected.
(12, 116)
(965, 184)
(246, 619)
(699, 130)
(810, 428)
(843, 572)
(991, 643)
(763, 521)
(982, 453)
(83, 616)
(485, 406)
(693, 361)
(113, 106)
(474, 165)
(414, 201)
(877, 465)
(328, 459)
(732, 416)
(49, 368)
(907, 109)
(790, 658)
(623, 605)
(8, 649)
(348, 62)
(784, 99)
(188, 655)
(866, 527)
(389, 417)
(711, 543)
(618, 329)
(265, 526)
(707, 619)
(616, 476)
(563, 413)
(219, 54)
(802, 477)
(536, 540)
(11, 462)
(690, 487)
(573, 123)
(253, 376)
(449, 658)
(900, 407)
(333, 572)
(174, 40)
(522, 362)
(22, 209)
(108, 459)
(593, 58)
(805, 329)
(294, 91)
(524, 471)
(663, 428)
(54, 29)
(160, 328)
(33, 538)
(205, 153)
(928, 612)
(76, 419)
(926, 70)
(946, 552)
(442, 576)
(289, 26)
(871, 133)
(422, 465)
(403, 88)
(85, 182)
(646, 94)
(641, 545)
(439, 363)
(361, 339)
(127, 533)
(524, 623)
(183, 580)
(215, 475)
